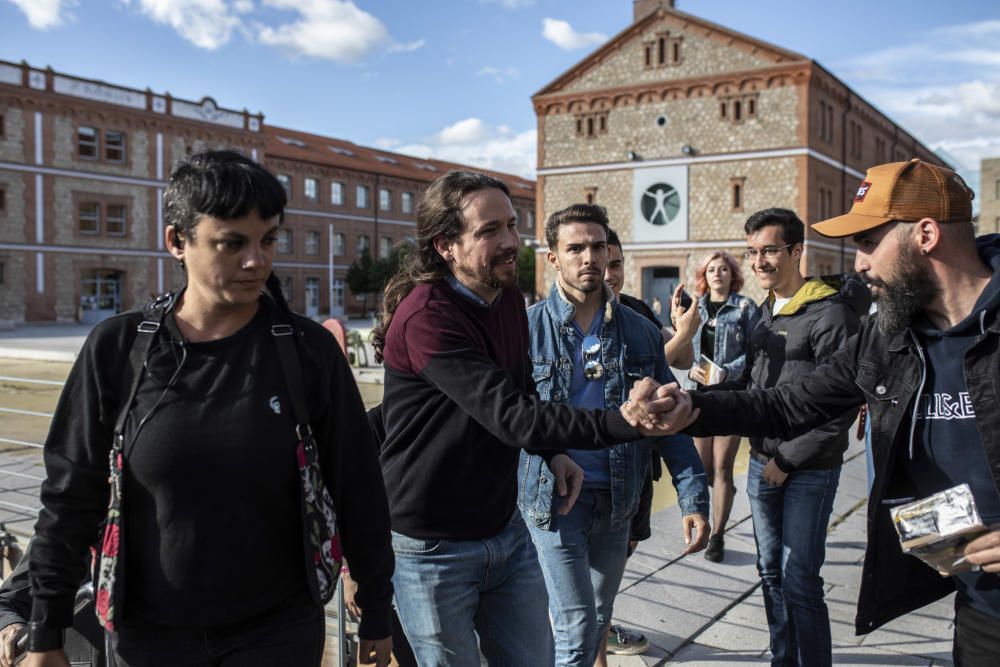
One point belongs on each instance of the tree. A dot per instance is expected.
(367, 276)
(526, 271)
(360, 277)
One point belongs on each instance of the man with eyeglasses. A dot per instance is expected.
(791, 483)
(587, 350)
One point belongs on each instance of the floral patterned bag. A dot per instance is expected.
(107, 560)
(319, 518)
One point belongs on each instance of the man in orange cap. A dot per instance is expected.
(927, 364)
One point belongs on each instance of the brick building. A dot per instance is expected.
(83, 166)
(682, 128)
(989, 190)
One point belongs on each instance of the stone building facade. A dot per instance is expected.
(682, 128)
(83, 167)
(989, 190)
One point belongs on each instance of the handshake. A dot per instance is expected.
(657, 409)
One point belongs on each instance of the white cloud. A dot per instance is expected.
(468, 131)
(409, 46)
(509, 4)
(207, 24)
(473, 142)
(499, 74)
(46, 14)
(331, 29)
(561, 34)
(387, 143)
(943, 87)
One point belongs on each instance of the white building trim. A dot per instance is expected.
(700, 159)
(346, 216)
(72, 173)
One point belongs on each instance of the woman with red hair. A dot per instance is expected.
(720, 345)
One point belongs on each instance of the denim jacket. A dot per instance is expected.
(733, 324)
(631, 349)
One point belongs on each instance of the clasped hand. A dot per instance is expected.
(657, 409)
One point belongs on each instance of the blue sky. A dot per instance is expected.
(453, 78)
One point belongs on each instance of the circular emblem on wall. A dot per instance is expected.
(660, 203)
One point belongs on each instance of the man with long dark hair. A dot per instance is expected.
(459, 404)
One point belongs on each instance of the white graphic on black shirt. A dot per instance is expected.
(945, 406)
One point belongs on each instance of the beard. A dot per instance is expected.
(904, 295)
(486, 275)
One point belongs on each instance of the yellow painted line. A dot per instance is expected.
(664, 494)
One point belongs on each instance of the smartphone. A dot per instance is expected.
(686, 300)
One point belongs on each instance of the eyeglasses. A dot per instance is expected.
(593, 369)
(769, 251)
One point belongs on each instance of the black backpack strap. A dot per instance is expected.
(284, 336)
(152, 320)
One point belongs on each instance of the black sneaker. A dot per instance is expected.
(716, 550)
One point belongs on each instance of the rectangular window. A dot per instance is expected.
(87, 143)
(310, 188)
(3, 273)
(998, 189)
(114, 220)
(114, 146)
(338, 293)
(361, 196)
(364, 244)
(285, 241)
(406, 202)
(738, 192)
(286, 182)
(2, 129)
(661, 51)
(384, 246)
(338, 244)
(384, 200)
(89, 218)
(312, 243)
(337, 193)
(829, 123)
(3, 200)
(287, 288)
(649, 55)
(737, 111)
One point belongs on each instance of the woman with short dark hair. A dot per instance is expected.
(210, 553)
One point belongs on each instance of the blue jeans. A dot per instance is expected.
(448, 591)
(582, 558)
(789, 524)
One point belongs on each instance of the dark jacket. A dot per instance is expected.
(75, 494)
(886, 372)
(822, 315)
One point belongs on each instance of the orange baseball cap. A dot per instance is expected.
(904, 191)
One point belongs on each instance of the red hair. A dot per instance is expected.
(701, 285)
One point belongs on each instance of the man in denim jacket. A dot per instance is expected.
(587, 350)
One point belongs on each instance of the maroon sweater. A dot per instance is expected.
(459, 403)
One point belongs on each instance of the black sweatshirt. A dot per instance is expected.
(212, 531)
(459, 403)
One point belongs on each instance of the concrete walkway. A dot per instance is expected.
(699, 613)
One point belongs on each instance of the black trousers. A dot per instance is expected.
(291, 635)
(977, 638)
